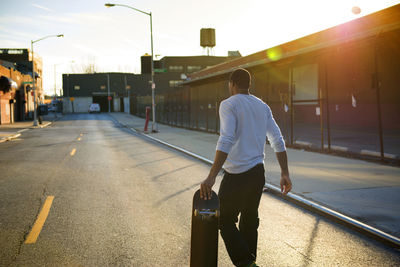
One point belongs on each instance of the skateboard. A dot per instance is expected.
(204, 240)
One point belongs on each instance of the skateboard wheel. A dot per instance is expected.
(196, 212)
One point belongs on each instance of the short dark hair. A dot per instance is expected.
(241, 78)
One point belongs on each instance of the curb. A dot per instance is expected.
(338, 217)
(341, 149)
(9, 138)
(45, 125)
(354, 224)
(19, 132)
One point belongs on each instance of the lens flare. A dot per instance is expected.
(274, 53)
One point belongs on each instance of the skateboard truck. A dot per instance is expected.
(206, 213)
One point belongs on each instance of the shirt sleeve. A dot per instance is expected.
(274, 134)
(227, 127)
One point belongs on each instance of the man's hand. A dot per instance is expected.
(205, 187)
(286, 183)
(207, 184)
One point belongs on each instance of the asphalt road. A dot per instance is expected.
(121, 200)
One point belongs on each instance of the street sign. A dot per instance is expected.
(153, 86)
(27, 82)
(160, 70)
(72, 99)
(110, 98)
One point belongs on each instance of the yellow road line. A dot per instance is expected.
(37, 227)
(73, 152)
(79, 139)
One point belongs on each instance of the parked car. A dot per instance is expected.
(52, 107)
(94, 108)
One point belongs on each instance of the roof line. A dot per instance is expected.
(353, 37)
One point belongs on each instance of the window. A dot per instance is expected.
(193, 68)
(173, 83)
(15, 51)
(175, 68)
(77, 87)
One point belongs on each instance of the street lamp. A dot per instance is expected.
(153, 86)
(35, 122)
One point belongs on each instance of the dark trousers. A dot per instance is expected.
(241, 193)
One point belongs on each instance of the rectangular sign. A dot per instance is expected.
(160, 70)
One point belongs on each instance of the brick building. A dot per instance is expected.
(16, 100)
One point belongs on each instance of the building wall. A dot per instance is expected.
(117, 105)
(126, 105)
(22, 58)
(5, 116)
(343, 77)
(348, 90)
(21, 105)
(79, 105)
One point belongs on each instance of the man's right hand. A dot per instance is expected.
(286, 183)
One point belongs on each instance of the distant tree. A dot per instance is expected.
(125, 68)
(87, 66)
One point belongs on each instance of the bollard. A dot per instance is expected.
(147, 118)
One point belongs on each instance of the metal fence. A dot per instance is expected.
(345, 99)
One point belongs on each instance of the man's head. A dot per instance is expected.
(239, 81)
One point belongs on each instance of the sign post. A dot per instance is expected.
(72, 103)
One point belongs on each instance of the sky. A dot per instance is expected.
(115, 38)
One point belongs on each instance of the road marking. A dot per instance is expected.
(79, 139)
(23, 130)
(37, 227)
(73, 152)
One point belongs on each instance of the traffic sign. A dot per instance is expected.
(110, 98)
(72, 99)
(160, 70)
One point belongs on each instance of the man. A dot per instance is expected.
(246, 122)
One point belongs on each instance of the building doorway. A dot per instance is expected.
(103, 102)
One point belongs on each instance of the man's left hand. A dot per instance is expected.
(206, 186)
(286, 183)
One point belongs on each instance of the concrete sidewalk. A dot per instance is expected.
(14, 130)
(365, 191)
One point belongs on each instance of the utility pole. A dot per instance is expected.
(108, 93)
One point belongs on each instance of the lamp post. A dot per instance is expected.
(153, 85)
(35, 122)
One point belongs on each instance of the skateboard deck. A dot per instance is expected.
(204, 239)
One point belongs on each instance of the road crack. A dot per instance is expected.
(298, 251)
(29, 227)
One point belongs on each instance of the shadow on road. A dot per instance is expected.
(155, 178)
(158, 203)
